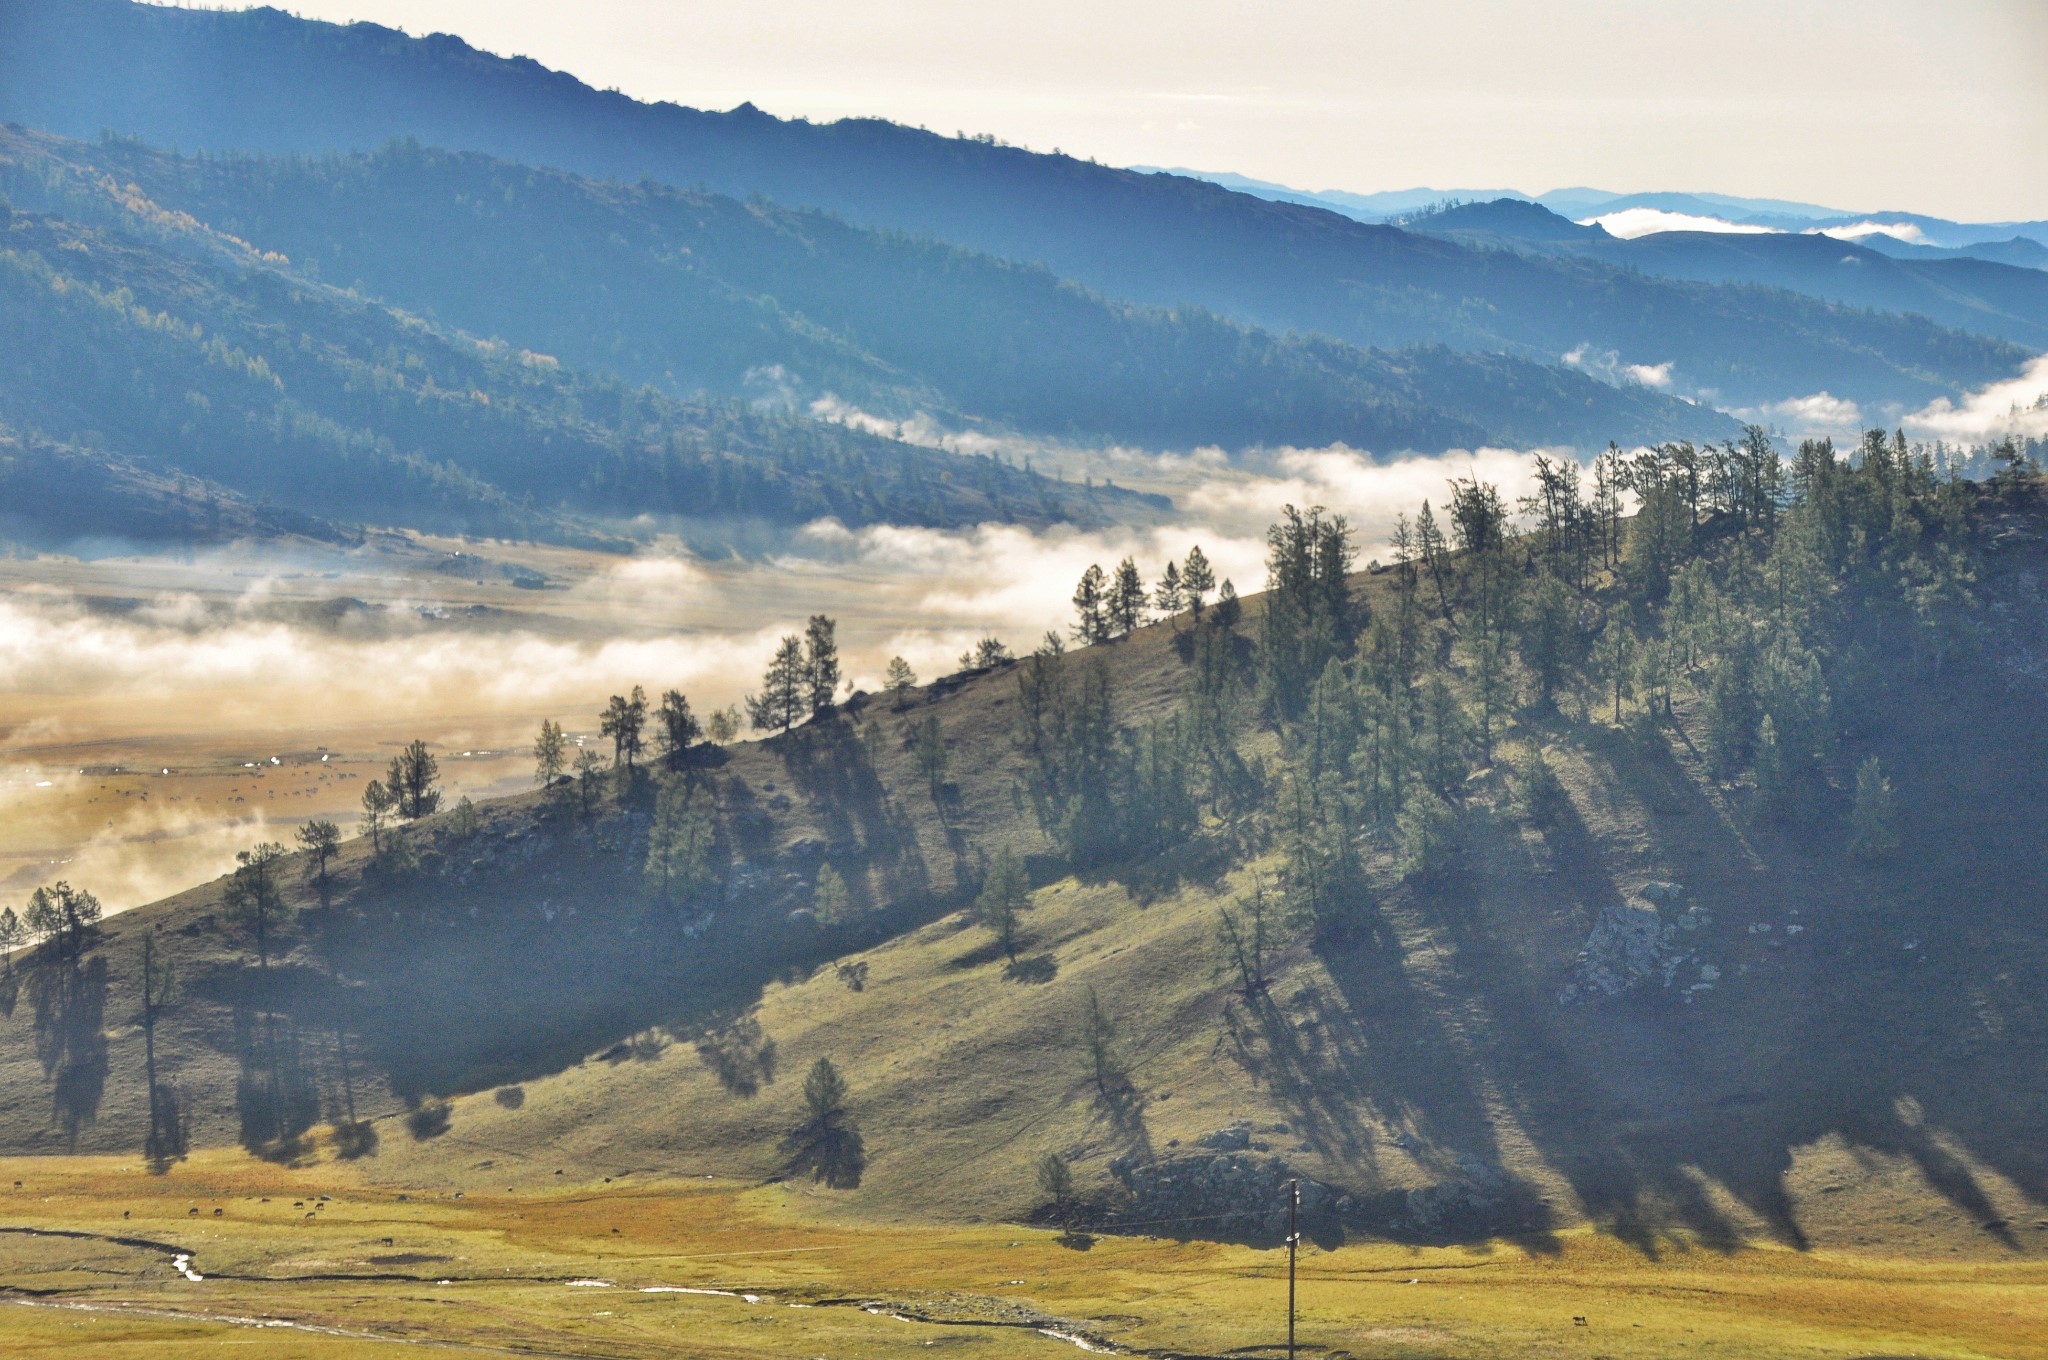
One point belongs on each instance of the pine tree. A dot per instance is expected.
(410, 782)
(255, 896)
(677, 728)
(1171, 596)
(785, 689)
(1243, 930)
(1228, 609)
(625, 721)
(1551, 643)
(1436, 556)
(320, 839)
(1091, 616)
(377, 804)
(588, 770)
(821, 663)
(1005, 893)
(723, 724)
(824, 1094)
(900, 679)
(1873, 829)
(1197, 580)
(550, 754)
(681, 842)
(1126, 603)
(12, 935)
(1310, 616)
(1056, 1184)
(1613, 656)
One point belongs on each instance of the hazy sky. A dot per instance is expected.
(1933, 105)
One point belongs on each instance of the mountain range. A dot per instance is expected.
(1937, 234)
(696, 293)
(265, 82)
(192, 375)
(1971, 294)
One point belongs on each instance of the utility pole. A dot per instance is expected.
(1293, 1244)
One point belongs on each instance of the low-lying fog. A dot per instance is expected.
(144, 699)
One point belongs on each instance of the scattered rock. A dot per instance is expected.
(1228, 1195)
(1470, 1200)
(1235, 1138)
(1631, 947)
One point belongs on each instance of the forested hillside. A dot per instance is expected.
(230, 368)
(696, 293)
(1671, 869)
(264, 81)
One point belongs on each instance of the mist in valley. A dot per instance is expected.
(140, 694)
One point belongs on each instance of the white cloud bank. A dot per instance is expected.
(1904, 232)
(2018, 406)
(1630, 223)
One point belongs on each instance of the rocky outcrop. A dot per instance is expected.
(1233, 1195)
(1639, 945)
(1242, 1196)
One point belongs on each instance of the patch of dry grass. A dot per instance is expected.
(373, 1267)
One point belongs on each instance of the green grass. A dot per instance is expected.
(492, 1271)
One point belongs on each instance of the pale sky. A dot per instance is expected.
(1935, 106)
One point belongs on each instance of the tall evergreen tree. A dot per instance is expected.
(550, 753)
(1171, 596)
(1005, 893)
(899, 680)
(785, 690)
(676, 728)
(320, 838)
(1126, 603)
(821, 663)
(681, 842)
(255, 895)
(1091, 607)
(625, 721)
(411, 782)
(1197, 579)
(377, 805)
(1310, 616)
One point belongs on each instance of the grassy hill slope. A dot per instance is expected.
(1830, 1051)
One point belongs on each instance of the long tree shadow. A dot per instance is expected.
(831, 1151)
(277, 1090)
(68, 997)
(1892, 1020)
(740, 1054)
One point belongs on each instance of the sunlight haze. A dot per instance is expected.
(1892, 104)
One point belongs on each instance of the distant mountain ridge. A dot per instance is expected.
(695, 293)
(264, 81)
(2007, 301)
(174, 374)
(1577, 203)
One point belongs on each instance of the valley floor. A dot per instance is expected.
(100, 1258)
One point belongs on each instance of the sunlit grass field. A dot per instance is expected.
(316, 1262)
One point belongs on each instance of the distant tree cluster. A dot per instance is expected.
(1109, 605)
(65, 918)
(802, 680)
